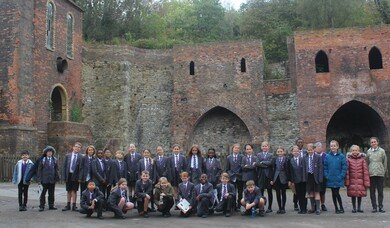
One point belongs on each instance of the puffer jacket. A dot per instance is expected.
(335, 169)
(358, 178)
(377, 162)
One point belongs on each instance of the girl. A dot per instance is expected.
(21, 170)
(177, 165)
(335, 169)
(377, 167)
(118, 201)
(144, 193)
(319, 151)
(358, 179)
(195, 164)
(163, 196)
(213, 167)
(279, 179)
(248, 164)
(86, 167)
(162, 164)
(313, 176)
(265, 164)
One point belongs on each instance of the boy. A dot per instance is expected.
(297, 179)
(147, 164)
(21, 169)
(48, 175)
(92, 200)
(177, 165)
(233, 168)
(226, 194)
(131, 160)
(70, 174)
(108, 164)
(253, 199)
(118, 168)
(265, 165)
(143, 193)
(248, 164)
(162, 164)
(186, 191)
(99, 172)
(204, 196)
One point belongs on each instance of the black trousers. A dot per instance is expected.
(225, 205)
(98, 209)
(47, 188)
(270, 196)
(22, 193)
(166, 206)
(83, 186)
(281, 197)
(300, 189)
(108, 191)
(376, 184)
(203, 206)
(239, 185)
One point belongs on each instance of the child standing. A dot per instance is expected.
(279, 179)
(248, 164)
(99, 174)
(195, 164)
(86, 168)
(213, 167)
(264, 177)
(48, 175)
(118, 168)
(318, 149)
(147, 164)
(108, 164)
(177, 165)
(22, 167)
(162, 164)
(226, 194)
(143, 193)
(118, 201)
(186, 191)
(313, 176)
(71, 175)
(253, 199)
(92, 200)
(163, 196)
(233, 168)
(335, 169)
(297, 179)
(131, 160)
(357, 179)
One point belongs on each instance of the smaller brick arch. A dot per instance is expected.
(375, 58)
(322, 62)
(58, 103)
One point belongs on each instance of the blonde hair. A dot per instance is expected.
(120, 152)
(226, 175)
(335, 142)
(250, 183)
(354, 146)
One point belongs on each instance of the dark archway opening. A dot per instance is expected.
(354, 123)
(375, 58)
(322, 62)
(243, 65)
(192, 68)
(58, 105)
(219, 128)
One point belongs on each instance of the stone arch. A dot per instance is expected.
(58, 103)
(219, 128)
(375, 58)
(354, 123)
(322, 62)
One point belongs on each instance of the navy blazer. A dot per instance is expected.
(116, 172)
(249, 170)
(141, 189)
(296, 172)
(318, 169)
(207, 191)
(162, 167)
(213, 170)
(265, 164)
(108, 170)
(86, 168)
(86, 201)
(233, 168)
(98, 174)
(187, 193)
(132, 166)
(230, 189)
(66, 167)
(182, 164)
(252, 197)
(48, 173)
(195, 174)
(151, 169)
(280, 170)
(115, 197)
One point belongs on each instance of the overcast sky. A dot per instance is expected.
(234, 3)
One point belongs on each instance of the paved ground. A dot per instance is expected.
(11, 217)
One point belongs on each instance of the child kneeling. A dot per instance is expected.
(118, 201)
(92, 199)
(163, 196)
(253, 199)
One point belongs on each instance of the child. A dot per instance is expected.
(186, 191)
(118, 201)
(313, 176)
(131, 160)
(265, 164)
(108, 163)
(99, 175)
(195, 164)
(357, 179)
(248, 164)
(377, 167)
(162, 164)
(319, 151)
(147, 164)
(302, 153)
(213, 167)
(204, 196)
(253, 199)
(335, 169)
(296, 178)
(92, 200)
(226, 194)
(48, 175)
(21, 169)
(143, 193)
(71, 175)
(233, 168)
(86, 168)
(279, 179)
(118, 168)
(163, 196)
(177, 165)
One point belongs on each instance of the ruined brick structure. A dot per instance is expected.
(40, 79)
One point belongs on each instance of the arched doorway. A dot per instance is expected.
(219, 128)
(58, 104)
(354, 123)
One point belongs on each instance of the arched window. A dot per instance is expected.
(375, 58)
(50, 25)
(192, 68)
(69, 36)
(243, 65)
(322, 62)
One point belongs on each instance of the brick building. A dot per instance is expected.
(40, 80)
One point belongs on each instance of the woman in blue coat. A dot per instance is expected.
(335, 169)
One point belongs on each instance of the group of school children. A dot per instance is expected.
(135, 180)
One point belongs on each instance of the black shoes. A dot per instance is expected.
(323, 208)
(41, 209)
(268, 210)
(381, 210)
(52, 208)
(23, 208)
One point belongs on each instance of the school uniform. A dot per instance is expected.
(206, 198)
(71, 171)
(48, 175)
(162, 167)
(118, 171)
(280, 180)
(99, 175)
(225, 204)
(33, 170)
(213, 170)
(248, 168)
(146, 164)
(195, 167)
(86, 172)
(141, 189)
(253, 197)
(108, 165)
(87, 197)
(132, 167)
(177, 164)
(164, 203)
(234, 169)
(114, 199)
(186, 191)
(19, 177)
(313, 173)
(302, 154)
(296, 175)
